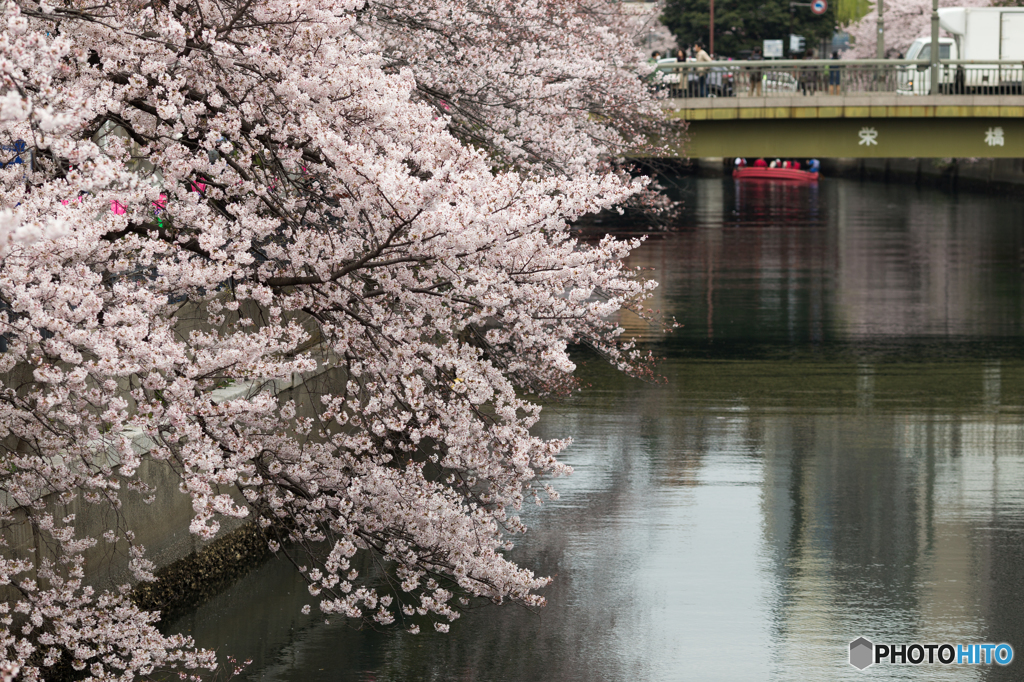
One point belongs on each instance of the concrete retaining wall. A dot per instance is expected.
(999, 175)
(163, 525)
(969, 174)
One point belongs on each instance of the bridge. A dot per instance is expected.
(847, 109)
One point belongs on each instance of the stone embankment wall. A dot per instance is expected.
(952, 174)
(189, 570)
(968, 174)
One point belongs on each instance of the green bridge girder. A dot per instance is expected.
(853, 126)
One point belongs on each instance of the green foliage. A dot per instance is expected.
(849, 11)
(741, 25)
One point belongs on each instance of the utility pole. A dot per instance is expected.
(711, 30)
(935, 48)
(880, 38)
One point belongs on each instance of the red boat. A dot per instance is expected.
(787, 174)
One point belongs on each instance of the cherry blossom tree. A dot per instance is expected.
(229, 193)
(905, 22)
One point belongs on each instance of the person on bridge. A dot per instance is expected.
(755, 74)
(702, 73)
(807, 78)
(833, 75)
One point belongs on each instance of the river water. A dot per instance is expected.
(837, 451)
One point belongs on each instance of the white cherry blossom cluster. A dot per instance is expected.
(223, 196)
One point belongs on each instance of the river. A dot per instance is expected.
(837, 451)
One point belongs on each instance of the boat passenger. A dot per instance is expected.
(813, 165)
(741, 163)
(760, 163)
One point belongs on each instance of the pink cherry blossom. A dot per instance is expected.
(374, 196)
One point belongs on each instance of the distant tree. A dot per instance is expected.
(742, 25)
(850, 11)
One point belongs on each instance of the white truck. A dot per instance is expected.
(983, 36)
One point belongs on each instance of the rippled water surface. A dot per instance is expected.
(838, 451)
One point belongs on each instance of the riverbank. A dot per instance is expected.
(198, 576)
(998, 175)
(189, 569)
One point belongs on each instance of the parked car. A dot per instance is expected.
(719, 82)
(779, 83)
(670, 79)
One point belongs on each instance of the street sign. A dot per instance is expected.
(819, 6)
(772, 48)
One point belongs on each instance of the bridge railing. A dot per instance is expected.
(813, 77)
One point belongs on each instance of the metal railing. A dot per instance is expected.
(814, 77)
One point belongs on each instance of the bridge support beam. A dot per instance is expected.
(978, 137)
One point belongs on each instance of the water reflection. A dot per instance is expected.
(772, 265)
(838, 451)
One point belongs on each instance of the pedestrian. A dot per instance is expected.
(809, 76)
(833, 76)
(658, 84)
(702, 72)
(755, 74)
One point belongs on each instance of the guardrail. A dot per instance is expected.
(812, 77)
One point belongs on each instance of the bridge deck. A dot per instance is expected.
(875, 125)
(873, 105)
